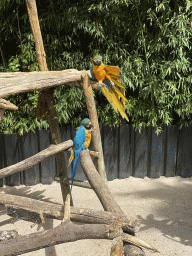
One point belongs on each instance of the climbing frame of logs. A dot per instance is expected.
(111, 223)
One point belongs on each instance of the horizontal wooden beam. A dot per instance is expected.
(92, 153)
(29, 162)
(53, 210)
(65, 232)
(20, 82)
(75, 182)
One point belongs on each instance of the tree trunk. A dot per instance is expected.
(34, 21)
(65, 232)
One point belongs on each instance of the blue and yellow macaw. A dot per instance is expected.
(112, 78)
(81, 141)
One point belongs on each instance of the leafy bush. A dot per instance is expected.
(149, 40)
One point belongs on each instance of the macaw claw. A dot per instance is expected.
(112, 84)
(99, 83)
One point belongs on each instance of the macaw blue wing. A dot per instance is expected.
(91, 70)
(79, 144)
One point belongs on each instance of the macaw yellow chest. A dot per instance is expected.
(88, 139)
(99, 72)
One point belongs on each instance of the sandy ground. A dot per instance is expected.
(164, 206)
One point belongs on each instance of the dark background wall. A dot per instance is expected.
(126, 153)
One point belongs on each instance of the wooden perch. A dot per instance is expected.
(103, 193)
(27, 163)
(48, 105)
(65, 232)
(117, 247)
(52, 210)
(6, 104)
(77, 183)
(20, 82)
(96, 137)
(136, 241)
(92, 153)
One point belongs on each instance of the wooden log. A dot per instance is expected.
(117, 247)
(34, 21)
(132, 250)
(65, 232)
(53, 122)
(56, 139)
(21, 82)
(75, 182)
(52, 210)
(96, 137)
(6, 104)
(27, 163)
(92, 153)
(98, 185)
(67, 209)
(136, 242)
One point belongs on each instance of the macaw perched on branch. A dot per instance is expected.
(81, 141)
(112, 78)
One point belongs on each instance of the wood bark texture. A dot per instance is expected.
(103, 193)
(65, 232)
(96, 137)
(60, 159)
(99, 186)
(77, 183)
(34, 21)
(52, 210)
(6, 104)
(27, 163)
(53, 122)
(21, 82)
(117, 247)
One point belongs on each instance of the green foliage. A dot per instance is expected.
(149, 40)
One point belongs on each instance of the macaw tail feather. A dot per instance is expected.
(120, 94)
(109, 97)
(112, 97)
(71, 156)
(77, 153)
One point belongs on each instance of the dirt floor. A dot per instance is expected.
(164, 206)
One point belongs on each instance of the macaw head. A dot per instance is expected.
(87, 123)
(97, 60)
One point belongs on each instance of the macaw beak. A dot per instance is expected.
(97, 61)
(89, 126)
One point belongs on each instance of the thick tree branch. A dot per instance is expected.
(52, 210)
(27, 163)
(65, 232)
(20, 82)
(6, 104)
